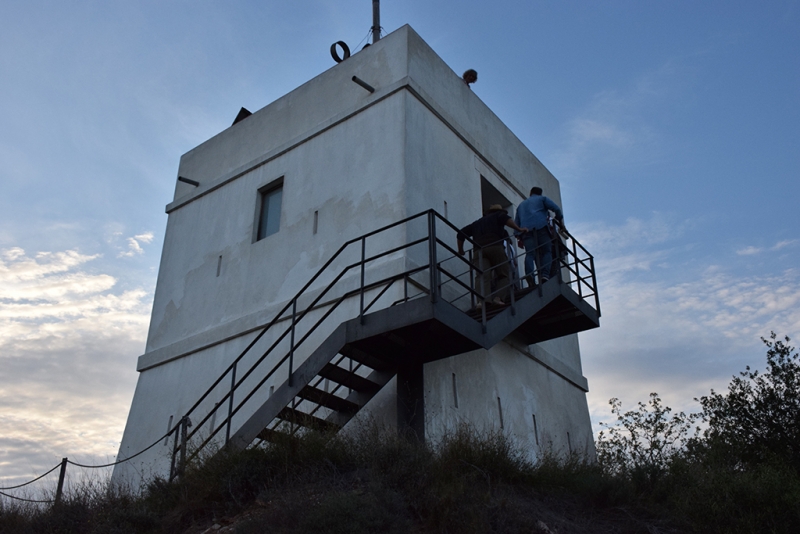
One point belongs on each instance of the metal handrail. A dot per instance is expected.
(228, 396)
(434, 290)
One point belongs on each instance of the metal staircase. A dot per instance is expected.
(395, 299)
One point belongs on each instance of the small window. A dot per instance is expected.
(270, 214)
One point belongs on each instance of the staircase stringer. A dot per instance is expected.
(531, 305)
(284, 394)
(389, 320)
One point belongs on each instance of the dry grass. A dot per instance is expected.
(375, 481)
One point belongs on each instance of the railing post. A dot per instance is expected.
(482, 297)
(230, 405)
(537, 262)
(471, 258)
(61, 475)
(577, 265)
(432, 255)
(512, 275)
(594, 286)
(291, 345)
(363, 261)
(559, 255)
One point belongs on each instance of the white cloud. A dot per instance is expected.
(15, 266)
(134, 246)
(780, 245)
(615, 129)
(585, 131)
(146, 237)
(68, 343)
(749, 251)
(674, 323)
(783, 244)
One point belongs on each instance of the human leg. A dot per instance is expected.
(484, 280)
(529, 241)
(499, 261)
(544, 255)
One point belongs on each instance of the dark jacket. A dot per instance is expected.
(486, 230)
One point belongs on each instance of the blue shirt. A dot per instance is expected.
(532, 212)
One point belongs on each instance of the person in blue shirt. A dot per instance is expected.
(532, 213)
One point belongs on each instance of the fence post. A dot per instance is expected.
(61, 475)
(182, 464)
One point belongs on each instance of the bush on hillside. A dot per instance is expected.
(741, 474)
(644, 442)
(758, 420)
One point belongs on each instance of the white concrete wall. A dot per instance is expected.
(352, 192)
(361, 161)
(526, 389)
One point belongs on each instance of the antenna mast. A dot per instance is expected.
(376, 21)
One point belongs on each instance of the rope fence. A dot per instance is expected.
(62, 474)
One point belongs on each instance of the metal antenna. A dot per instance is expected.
(376, 21)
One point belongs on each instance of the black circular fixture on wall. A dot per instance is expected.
(335, 53)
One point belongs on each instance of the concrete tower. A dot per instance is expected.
(265, 315)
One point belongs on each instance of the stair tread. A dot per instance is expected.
(493, 309)
(329, 400)
(303, 419)
(370, 360)
(348, 379)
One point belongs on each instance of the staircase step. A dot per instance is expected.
(328, 400)
(491, 310)
(268, 434)
(362, 357)
(303, 419)
(348, 379)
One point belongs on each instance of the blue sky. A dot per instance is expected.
(673, 127)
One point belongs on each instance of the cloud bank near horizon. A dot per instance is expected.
(675, 320)
(68, 337)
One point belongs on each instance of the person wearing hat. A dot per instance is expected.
(488, 233)
(533, 212)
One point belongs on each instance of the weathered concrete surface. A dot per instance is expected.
(358, 160)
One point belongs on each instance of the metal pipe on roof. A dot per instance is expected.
(376, 21)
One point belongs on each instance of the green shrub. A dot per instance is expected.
(758, 420)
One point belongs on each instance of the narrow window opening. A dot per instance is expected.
(445, 209)
(316, 221)
(535, 430)
(270, 213)
(219, 265)
(169, 427)
(500, 411)
(327, 385)
(569, 443)
(455, 391)
(271, 391)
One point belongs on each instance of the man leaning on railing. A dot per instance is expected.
(533, 213)
(489, 233)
